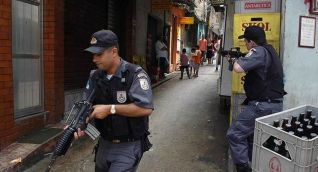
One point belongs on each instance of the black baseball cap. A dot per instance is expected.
(101, 40)
(254, 33)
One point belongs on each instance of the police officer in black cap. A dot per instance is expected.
(264, 89)
(123, 101)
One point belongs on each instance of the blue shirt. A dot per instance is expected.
(257, 59)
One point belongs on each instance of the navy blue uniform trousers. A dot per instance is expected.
(121, 157)
(240, 134)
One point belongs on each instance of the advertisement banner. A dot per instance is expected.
(187, 20)
(271, 24)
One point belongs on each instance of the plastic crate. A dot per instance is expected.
(303, 152)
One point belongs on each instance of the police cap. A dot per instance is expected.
(254, 33)
(101, 40)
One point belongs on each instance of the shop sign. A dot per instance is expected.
(187, 20)
(257, 5)
(270, 22)
(264, 25)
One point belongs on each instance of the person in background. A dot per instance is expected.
(217, 47)
(203, 47)
(162, 56)
(210, 53)
(192, 57)
(184, 61)
(197, 61)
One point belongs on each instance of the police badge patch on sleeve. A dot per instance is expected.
(250, 52)
(144, 84)
(121, 96)
(140, 75)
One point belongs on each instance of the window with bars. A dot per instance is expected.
(27, 57)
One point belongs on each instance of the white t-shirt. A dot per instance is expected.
(109, 77)
(159, 52)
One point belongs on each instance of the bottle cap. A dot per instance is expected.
(276, 123)
(313, 135)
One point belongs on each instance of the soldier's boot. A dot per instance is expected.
(243, 168)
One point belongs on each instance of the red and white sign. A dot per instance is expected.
(275, 165)
(258, 5)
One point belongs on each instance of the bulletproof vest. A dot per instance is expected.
(115, 91)
(272, 87)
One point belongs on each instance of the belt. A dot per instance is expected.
(122, 140)
(270, 100)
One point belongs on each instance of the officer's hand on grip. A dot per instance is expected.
(79, 133)
(100, 111)
(227, 57)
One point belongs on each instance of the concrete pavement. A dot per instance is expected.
(187, 131)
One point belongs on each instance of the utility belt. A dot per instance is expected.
(145, 143)
(118, 141)
(121, 139)
(278, 100)
(270, 100)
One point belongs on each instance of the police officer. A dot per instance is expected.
(264, 89)
(122, 104)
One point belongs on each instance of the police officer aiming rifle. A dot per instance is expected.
(264, 89)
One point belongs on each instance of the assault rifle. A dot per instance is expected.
(82, 111)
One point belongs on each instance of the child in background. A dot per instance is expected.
(197, 61)
(192, 57)
(184, 61)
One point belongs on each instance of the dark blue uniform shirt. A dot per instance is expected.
(257, 59)
(140, 91)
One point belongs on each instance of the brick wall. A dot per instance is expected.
(85, 18)
(7, 134)
(53, 56)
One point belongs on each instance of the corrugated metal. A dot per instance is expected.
(27, 61)
(91, 16)
(114, 14)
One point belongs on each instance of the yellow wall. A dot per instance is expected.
(271, 24)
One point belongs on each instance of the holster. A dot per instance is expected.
(145, 144)
(95, 150)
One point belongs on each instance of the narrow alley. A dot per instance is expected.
(187, 126)
(187, 130)
(258, 80)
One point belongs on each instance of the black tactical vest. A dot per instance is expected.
(115, 91)
(272, 87)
